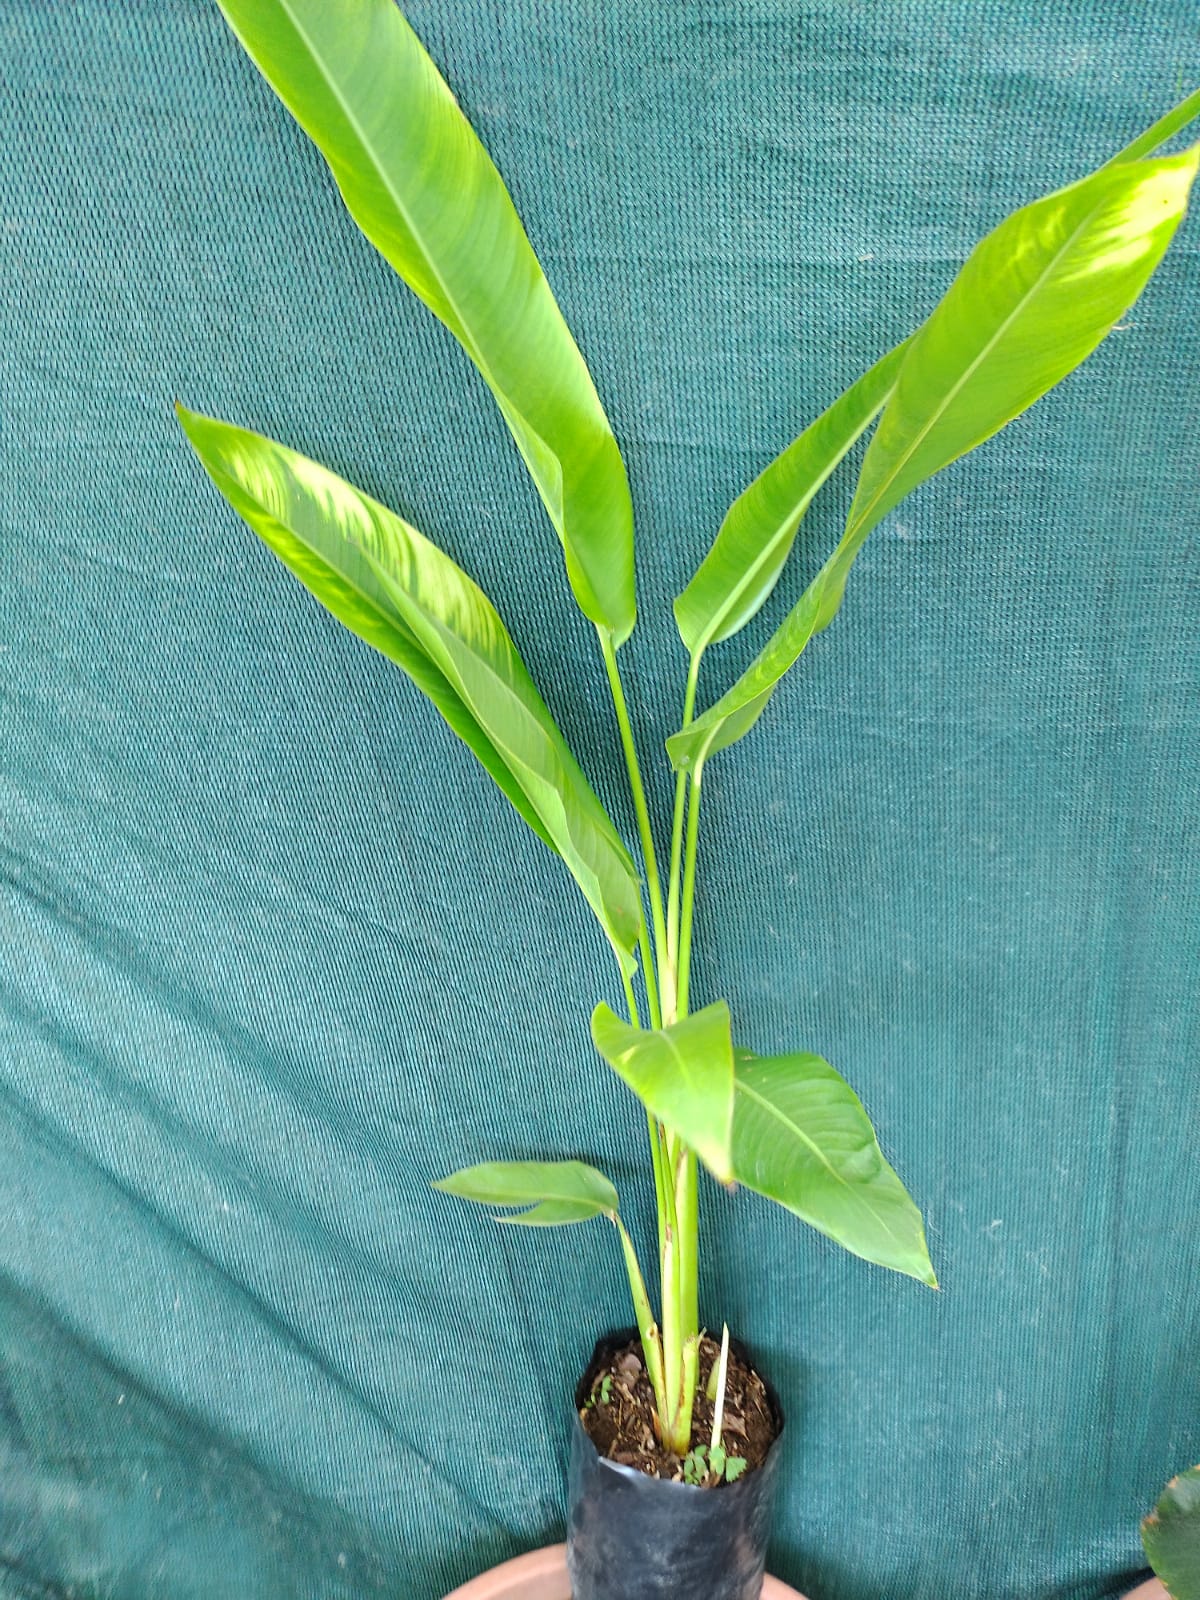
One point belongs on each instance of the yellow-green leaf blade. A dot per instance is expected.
(404, 596)
(1032, 301)
(752, 545)
(420, 185)
(683, 1074)
(557, 1192)
(802, 1138)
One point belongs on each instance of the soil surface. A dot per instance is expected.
(620, 1420)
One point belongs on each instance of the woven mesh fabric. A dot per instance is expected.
(274, 953)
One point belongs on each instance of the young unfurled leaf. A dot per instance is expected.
(734, 1467)
(738, 574)
(422, 188)
(683, 1074)
(1034, 298)
(1171, 1535)
(557, 1192)
(802, 1138)
(392, 587)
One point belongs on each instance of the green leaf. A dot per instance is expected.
(424, 191)
(401, 594)
(1034, 298)
(558, 1192)
(1165, 128)
(734, 1467)
(739, 708)
(802, 1138)
(752, 545)
(683, 1074)
(1171, 1535)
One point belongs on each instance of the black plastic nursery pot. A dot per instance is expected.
(632, 1535)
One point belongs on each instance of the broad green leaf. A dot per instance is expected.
(557, 1192)
(1034, 298)
(400, 593)
(422, 188)
(736, 577)
(683, 1074)
(1171, 1535)
(802, 1138)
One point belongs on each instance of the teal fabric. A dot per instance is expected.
(274, 954)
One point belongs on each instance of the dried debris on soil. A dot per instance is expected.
(619, 1413)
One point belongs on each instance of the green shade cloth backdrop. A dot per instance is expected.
(274, 954)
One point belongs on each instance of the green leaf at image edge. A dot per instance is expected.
(557, 1192)
(683, 1075)
(1171, 1535)
(423, 190)
(1034, 298)
(802, 1138)
(388, 584)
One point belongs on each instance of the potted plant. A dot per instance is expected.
(674, 1432)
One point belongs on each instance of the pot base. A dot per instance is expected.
(542, 1575)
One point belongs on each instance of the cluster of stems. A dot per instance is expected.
(671, 1342)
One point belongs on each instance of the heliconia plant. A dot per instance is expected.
(1031, 301)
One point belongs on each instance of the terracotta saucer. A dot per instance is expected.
(542, 1575)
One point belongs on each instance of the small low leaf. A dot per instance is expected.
(1171, 1535)
(558, 1192)
(683, 1074)
(401, 594)
(802, 1138)
(734, 1467)
(420, 185)
(736, 577)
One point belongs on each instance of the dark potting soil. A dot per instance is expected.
(620, 1420)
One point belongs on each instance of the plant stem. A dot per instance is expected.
(645, 834)
(681, 788)
(656, 1016)
(647, 1328)
(689, 891)
(630, 999)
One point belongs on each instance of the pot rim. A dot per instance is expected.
(513, 1579)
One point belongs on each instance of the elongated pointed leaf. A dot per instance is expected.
(1171, 1535)
(424, 191)
(1032, 301)
(682, 1074)
(802, 1138)
(736, 577)
(1034, 298)
(1159, 132)
(401, 594)
(557, 1192)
